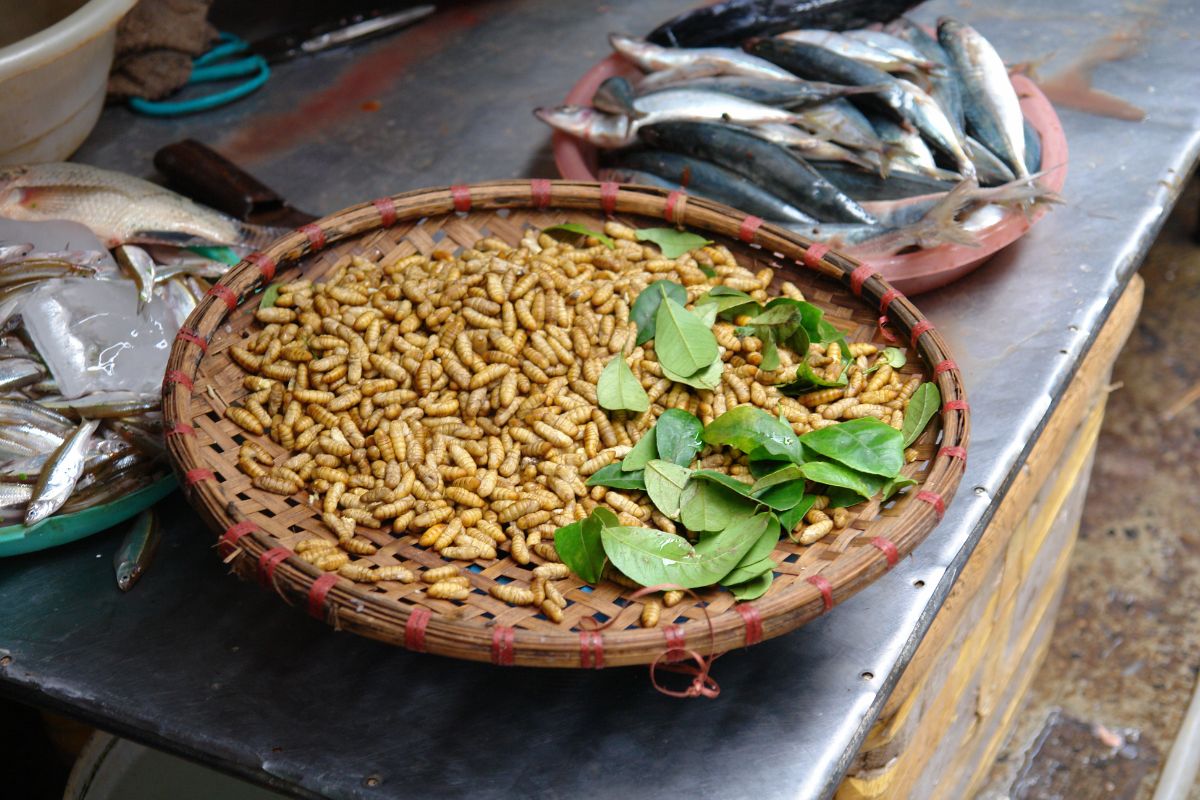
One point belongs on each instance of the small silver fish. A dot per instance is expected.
(104, 405)
(18, 372)
(895, 46)
(61, 473)
(725, 60)
(844, 45)
(138, 265)
(117, 207)
(136, 550)
(15, 495)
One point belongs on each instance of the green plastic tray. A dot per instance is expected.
(64, 528)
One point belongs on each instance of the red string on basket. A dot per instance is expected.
(954, 451)
(225, 293)
(885, 332)
(194, 476)
(267, 563)
(935, 500)
(174, 376)
(955, 405)
(887, 298)
(749, 227)
(825, 588)
(944, 366)
(540, 189)
(859, 276)
(179, 429)
(386, 207)
(922, 326)
(414, 629)
(502, 645)
(462, 197)
(315, 235)
(754, 629)
(233, 533)
(608, 197)
(676, 202)
(266, 264)
(676, 642)
(189, 335)
(813, 254)
(317, 592)
(591, 650)
(888, 548)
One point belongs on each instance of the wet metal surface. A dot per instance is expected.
(200, 664)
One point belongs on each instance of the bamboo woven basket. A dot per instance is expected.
(257, 529)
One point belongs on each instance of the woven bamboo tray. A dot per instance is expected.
(257, 529)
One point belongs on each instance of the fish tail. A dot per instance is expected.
(939, 225)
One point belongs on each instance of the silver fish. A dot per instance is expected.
(10, 251)
(60, 474)
(104, 405)
(138, 265)
(990, 102)
(31, 437)
(117, 207)
(16, 411)
(18, 372)
(843, 45)
(894, 46)
(937, 127)
(841, 122)
(987, 164)
(136, 550)
(15, 495)
(813, 148)
(728, 60)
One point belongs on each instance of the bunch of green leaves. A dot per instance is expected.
(671, 241)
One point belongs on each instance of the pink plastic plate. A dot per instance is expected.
(911, 273)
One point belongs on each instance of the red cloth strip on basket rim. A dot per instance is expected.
(944, 366)
(813, 254)
(750, 615)
(922, 326)
(461, 193)
(179, 429)
(315, 235)
(935, 500)
(676, 641)
(502, 645)
(888, 548)
(749, 227)
(674, 210)
(268, 561)
(860, 275)
(174, 376)
(189, 335)
(608, 197)
(386, 207)
(414, 629)
(266, 265)
(887, 298)
(540, 189)
(591, 650)
(824, 587)
(317, 592)
(953, 451)
(235, 532)
(955, 405)
(225, 293)
(194, 476)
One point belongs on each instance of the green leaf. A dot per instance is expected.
(748, 571)
(749, 429)
(653, 557)
(575, 227)
(780, 490)
(729, 303)
(677, 436)
(807, 380)
(707, 506)
(924, 403)
(645, 451)
(754, 588)
(762, 549)
(728, 481)
(580, 548)
(269, 296)
(708, 378)
(613, 477)
(832, 474)
(892, 356)
(646, 306)
(770, 353)
(791, 518)
(896, 484)
(706, 313)
(866, 445)
(619, 390)
(708, 271)
(682, 342)
(664, 484)
(840, 497)
(671, 241)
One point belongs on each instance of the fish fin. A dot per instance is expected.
(172, 238)
(940, 225)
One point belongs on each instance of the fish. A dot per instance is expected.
(767, 165)
(714, 182)
(637, 176)
(725, 60)
(119, 208)
(103, 405)
(866, 186)
(138, 265)
(768, 91)
(15, 494)
(990, 168)
(17, 273)
(844, 45)
(18, 372)
(137, 549)
(60, 474)
(937, 127)
(990, 103)
(16, 411)
(813, 148)
(1033, 148)
(615, 96)
(615, 130)
(732, 21)
(895, 47)
(840, 121)
(945, 85)
(10, 251)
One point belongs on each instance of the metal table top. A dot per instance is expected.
(195, 662)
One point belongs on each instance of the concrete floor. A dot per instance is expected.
(1106, 704)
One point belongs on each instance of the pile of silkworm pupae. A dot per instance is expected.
(452, 398)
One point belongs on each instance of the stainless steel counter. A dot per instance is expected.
(197, 663)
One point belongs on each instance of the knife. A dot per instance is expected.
(343, 30)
